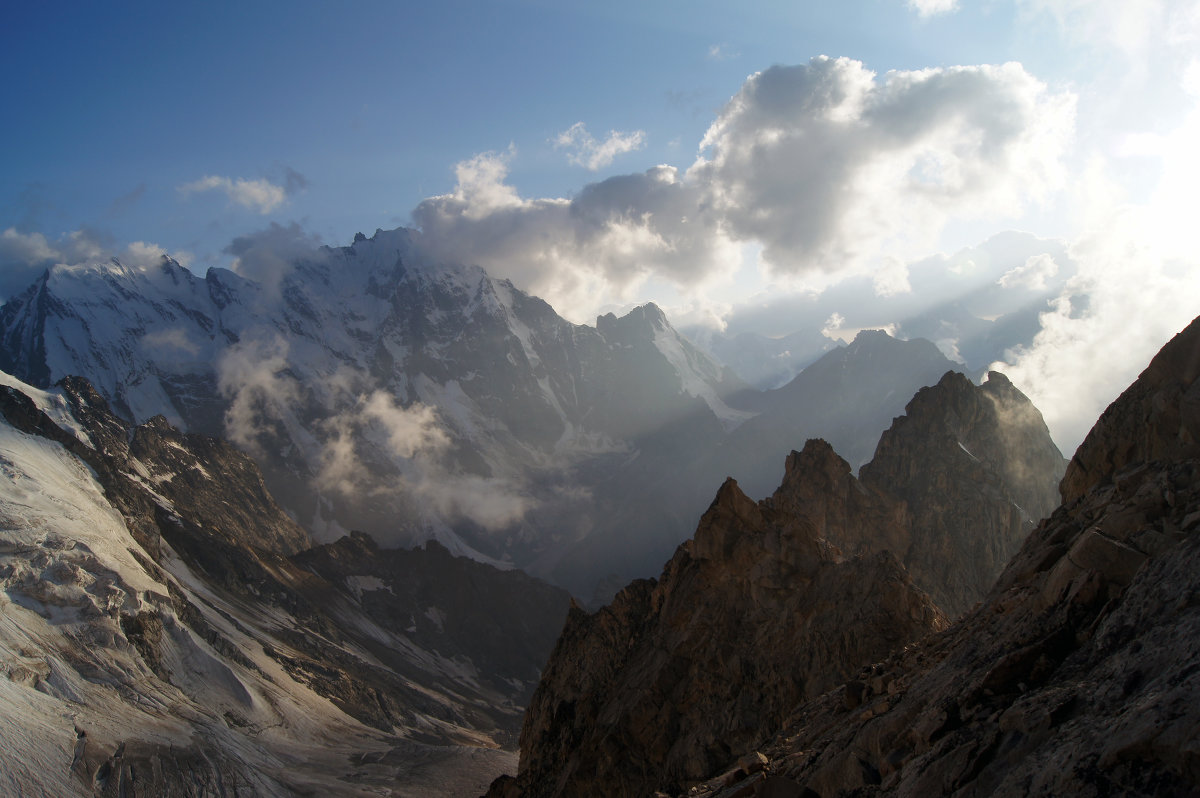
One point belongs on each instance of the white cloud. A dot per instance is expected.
(25, 256)
(1138, 283)
(172, 339)
(375, 424)
(833, 326)
(1126, 302)
(721, 52)
(930, 8)
(407, 430)
(26, 247)
(827, 166)
(253, 375)
(1035, 274)
(830, 166)
(581, 253)
(266, 256)
(491, 503)
(891, 278)
(584, 150)
(1131, 28)
(262, 196)
(1138, 279)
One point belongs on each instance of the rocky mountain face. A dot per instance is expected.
(976, 469)
(847, 397)
(1080, 672)
(381, 391)
(163, 633)
(771, 603)
(651, 691)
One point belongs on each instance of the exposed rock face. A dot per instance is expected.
(1157, 418)
(161, 635)
(753, 614)
(977, 469)
(1079, 674)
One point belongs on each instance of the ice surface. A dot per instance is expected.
(73, 688)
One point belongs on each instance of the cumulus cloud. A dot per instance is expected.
(721, 52)
(891, 278)
(357, 441)
(833, 325)
(490, 503)
(1137, 284)
(260, 195)
(377, 448)
(267, 255)
(603, 243)
(254, 377)
(1034, 274)
(25, 256)
(1103, 329)
(376, 423)
(931, 8)
(1138, 278)
(829, 167)
(584, 150)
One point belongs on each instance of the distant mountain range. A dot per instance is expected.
(383, 392)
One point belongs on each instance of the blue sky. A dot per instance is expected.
(697, 154)
(117, 104)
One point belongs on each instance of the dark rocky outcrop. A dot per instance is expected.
(977, 470)
(1080, 672)
(1157, 418)
(753, 614)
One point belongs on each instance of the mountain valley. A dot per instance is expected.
(272, 537)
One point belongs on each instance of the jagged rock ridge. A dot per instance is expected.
(651, 691)
(1079, 674)
(383, 391)
(848, 397)
(976, 469)
(161, 634)
(761, 610)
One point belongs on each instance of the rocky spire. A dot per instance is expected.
(754, 614)
(977, 468)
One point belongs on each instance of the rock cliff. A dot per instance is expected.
(977, 469)
(1080, 672)
(754, 614)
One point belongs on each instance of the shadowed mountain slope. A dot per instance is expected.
(1079, 674)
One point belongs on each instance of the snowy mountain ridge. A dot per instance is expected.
(379, 389)
(158, 638)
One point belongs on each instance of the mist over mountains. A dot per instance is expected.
(383, 391)
(167, 629)
(255, 587)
